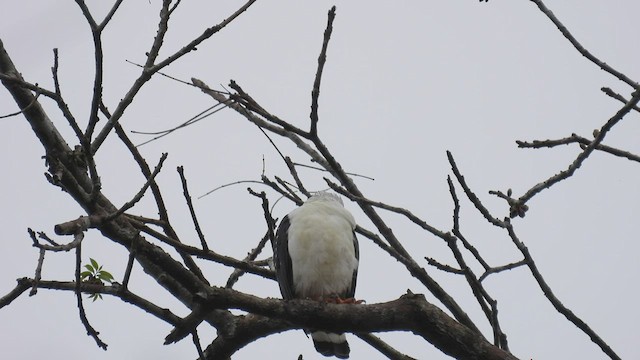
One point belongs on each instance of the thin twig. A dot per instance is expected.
(384, 348)
(61, 103)
(565, 32)
(296, 177)
(38, 274)
(398, 210)
(497, 269)
(130, 261)
(322, 58)
(478, 290)
(251, 256)
(200, 116)
(114, 290)
(288, 193)
(472, 197)
(35, 100)
(271, 223)
(209, 255)
(229, 184)
(325, 170)
(573, 318)
(196, 342)
(109, 15)
(536, 144)
(617, 96)
(83, 316)
(129, 204)
(456, 225)
(575, 165)
(185, 192)
(151, 69)
(96, 32)
(443, 267)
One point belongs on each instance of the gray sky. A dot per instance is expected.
(404, 82)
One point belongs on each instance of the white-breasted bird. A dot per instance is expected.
(316, 257)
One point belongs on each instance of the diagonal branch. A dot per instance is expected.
(565, 32)
(129, 204)
(557, 304)
(617, 96)
(384, 348)
(196, 224)
(471, 195)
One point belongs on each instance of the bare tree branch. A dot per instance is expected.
(575, 165)
(185, 191)
(410, 310)
(383, 347)
(83, 316)
(553, 299)
(584, 52)
(151, 67)
(129, 204)
(537, 144)
(315, 93)
(617, 96)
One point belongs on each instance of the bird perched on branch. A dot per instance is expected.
(316, 257)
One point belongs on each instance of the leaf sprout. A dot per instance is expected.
(95, 275)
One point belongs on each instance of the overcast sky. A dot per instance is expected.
(404, 82)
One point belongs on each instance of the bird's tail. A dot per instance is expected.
(330, 344)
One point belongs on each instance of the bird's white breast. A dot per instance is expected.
(321, 248)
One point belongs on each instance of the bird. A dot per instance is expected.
(316, 256)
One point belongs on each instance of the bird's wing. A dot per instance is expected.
(282, 260)
(352, 289)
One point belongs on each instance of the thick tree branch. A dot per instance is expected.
(410, 312)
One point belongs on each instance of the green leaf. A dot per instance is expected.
(90, 268)
(85, 274)
(95, 296)
(105, 275)
(94, 263)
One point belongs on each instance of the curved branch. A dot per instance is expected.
(565, 32)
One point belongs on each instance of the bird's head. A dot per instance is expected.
(325, 196)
